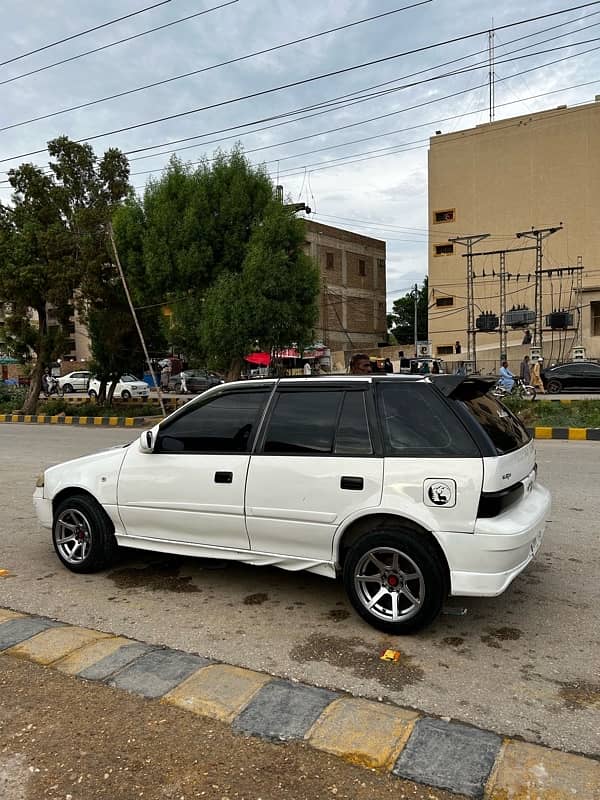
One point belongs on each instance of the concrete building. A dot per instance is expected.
(533, 171)
(352, 308)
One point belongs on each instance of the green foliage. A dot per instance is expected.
(401, 321)
(53, 244)
(272, 301)
(11, 398)
(553, 414)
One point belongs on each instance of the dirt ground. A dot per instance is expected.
(61, 737)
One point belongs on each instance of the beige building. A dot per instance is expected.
(352, 308)
(535, 171)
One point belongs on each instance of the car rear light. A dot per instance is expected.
(491, 504)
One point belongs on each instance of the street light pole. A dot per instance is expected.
(416, 317)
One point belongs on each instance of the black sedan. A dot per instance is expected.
(196, 381)
(575, 375)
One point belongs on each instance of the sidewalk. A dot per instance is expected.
(398, 742)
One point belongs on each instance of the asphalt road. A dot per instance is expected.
(524, 664)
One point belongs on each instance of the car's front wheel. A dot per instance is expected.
(554, 386)
(82, 534)
(395, 580)
(93, 394)
(126, 395)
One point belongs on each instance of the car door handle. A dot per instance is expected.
(350, 482)
(223, 477)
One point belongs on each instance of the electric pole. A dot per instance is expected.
(539, 234)
(469, 241)
(416, 318)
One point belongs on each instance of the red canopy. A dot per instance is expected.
(260, 359)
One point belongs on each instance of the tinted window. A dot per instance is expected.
(418, 422)
(303, 422)
(353, 436)
(502, 427)
(224, 425)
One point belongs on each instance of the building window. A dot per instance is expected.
(381, 263)
(595, 318)
(362, 267)
(444, 301)
(329, 260)
(445, 350)
(446, 215)
(443, 249)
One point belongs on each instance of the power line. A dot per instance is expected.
(113, 44)
(304, 81)
(214, 66)
(83, 33)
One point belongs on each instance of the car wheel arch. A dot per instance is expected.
(77, 491)
(369, 523)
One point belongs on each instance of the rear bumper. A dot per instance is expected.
(484, 563)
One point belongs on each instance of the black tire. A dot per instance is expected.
(527, 392)
(553, 386)
(415, 552)
(67, 388)
(92, 394)
(82, 534)
(125, 395)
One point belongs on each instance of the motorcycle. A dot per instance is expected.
(50, 386)
(519, 389)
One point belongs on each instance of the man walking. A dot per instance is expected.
(525, 371)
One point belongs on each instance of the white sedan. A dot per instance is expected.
(75, 381)
(127, 387)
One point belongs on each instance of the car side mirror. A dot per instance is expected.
(148, 440)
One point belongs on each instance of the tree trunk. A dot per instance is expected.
(111, 391)
(35, 385)
(235, 370)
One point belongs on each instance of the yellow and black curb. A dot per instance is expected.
(404, 743)
(62, 419)
(572, 434)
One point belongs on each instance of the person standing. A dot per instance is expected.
(164, 378)
(307, 370)
(507, 379)
(184, 388)
(388, 366)
(360, 364)
(525, 371)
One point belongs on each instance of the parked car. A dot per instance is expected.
(127, 387)
(75, 381)
(414, 365)
(406, 488)
(575, 375)
(196, 381)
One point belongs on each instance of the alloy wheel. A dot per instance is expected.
(389, 584)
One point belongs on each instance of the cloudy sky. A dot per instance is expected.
(359, 158)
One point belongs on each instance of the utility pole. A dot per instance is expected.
(416, 295)
(538, 234)
(469, 241)
(503, 332)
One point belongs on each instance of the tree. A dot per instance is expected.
(196, 225)
(274, 299)
(52, 240)
(401, 321)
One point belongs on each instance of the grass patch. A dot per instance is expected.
(11, 397)
(551, 414)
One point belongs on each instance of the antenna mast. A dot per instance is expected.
(492, 76)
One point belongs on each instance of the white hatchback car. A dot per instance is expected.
(408, 488)
(127, 387)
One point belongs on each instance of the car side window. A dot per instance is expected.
(416, 422)
(226, 424)
(353, 437)
(303, 423)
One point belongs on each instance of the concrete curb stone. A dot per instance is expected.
(58, 419)
(434, 752)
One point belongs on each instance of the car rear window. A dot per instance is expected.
(418, 422)
(505, 431)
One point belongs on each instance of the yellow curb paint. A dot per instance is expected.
(27, 418)
(529, 772)
(543, 433)
(68, 420)
(97, 420)
(83, 420)
(54, 419)
(14, 418)
(113, 420)
(129, 422)
(565, 402)
(218, 691)
(40, 418)
(577, 433)
(54, 643)
(363, 732)
(2, 417)
(5, 615)
(90, 654)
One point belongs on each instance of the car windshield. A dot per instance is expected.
(128, 379)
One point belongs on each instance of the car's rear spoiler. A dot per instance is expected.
(463, 385)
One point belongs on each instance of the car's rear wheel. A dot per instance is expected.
(395, 580)
(554, 386)
(67, 388)
(83, 535)
(126, 395)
